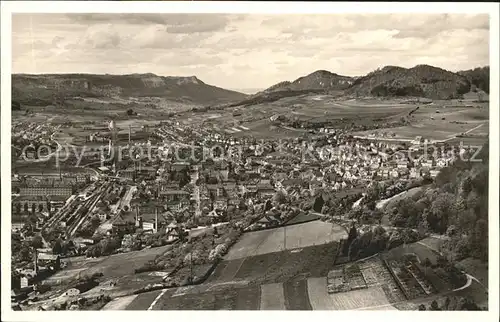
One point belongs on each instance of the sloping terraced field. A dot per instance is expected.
(291, 237)
(305, 294)
(279, 266)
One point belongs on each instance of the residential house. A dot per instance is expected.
(172, 231)
(102, 216)
(48, 261)
(267, 222)
(394, 173)
(415, 173)
(427, 164)
(434, 172)
(265, 189)
(442, 162)
(126, 222)
(403, 164)
(17, 225)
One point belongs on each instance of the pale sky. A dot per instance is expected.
(245, 51)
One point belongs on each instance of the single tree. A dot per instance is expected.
(37, 242)
(447, 303)
(318, 203)
(57, 248)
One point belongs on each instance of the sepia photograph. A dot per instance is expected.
(239, 160)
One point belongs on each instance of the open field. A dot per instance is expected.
(118, 266)
(436, 124)
(279, 266)
(272, 297)
(291, 237)
(254, 120)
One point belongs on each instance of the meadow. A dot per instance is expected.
(285, 238)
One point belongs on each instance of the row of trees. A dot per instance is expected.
(104, 247)
(451, 304)
(20, 208)
(374, 241)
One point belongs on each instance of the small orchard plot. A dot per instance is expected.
(415, 266)
(347, 278)
(406, 280)
(354, 300)
(364, 274)
(289, 237)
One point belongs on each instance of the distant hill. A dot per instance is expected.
(420, 81)
(44, 89)
(479, 77)
(391, 81)
(320, 81)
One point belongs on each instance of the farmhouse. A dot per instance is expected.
(48, 261)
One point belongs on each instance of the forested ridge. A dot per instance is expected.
(456, 204)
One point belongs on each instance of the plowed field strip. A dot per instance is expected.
(296, 297)
(248, 298)
(272, 297)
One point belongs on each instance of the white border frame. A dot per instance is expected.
(7, 8)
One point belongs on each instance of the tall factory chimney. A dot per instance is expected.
(156, 220)
(137, 216)
(35, 264)
(129, 134)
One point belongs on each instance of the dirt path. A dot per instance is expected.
(454, 136)
(119, 303)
